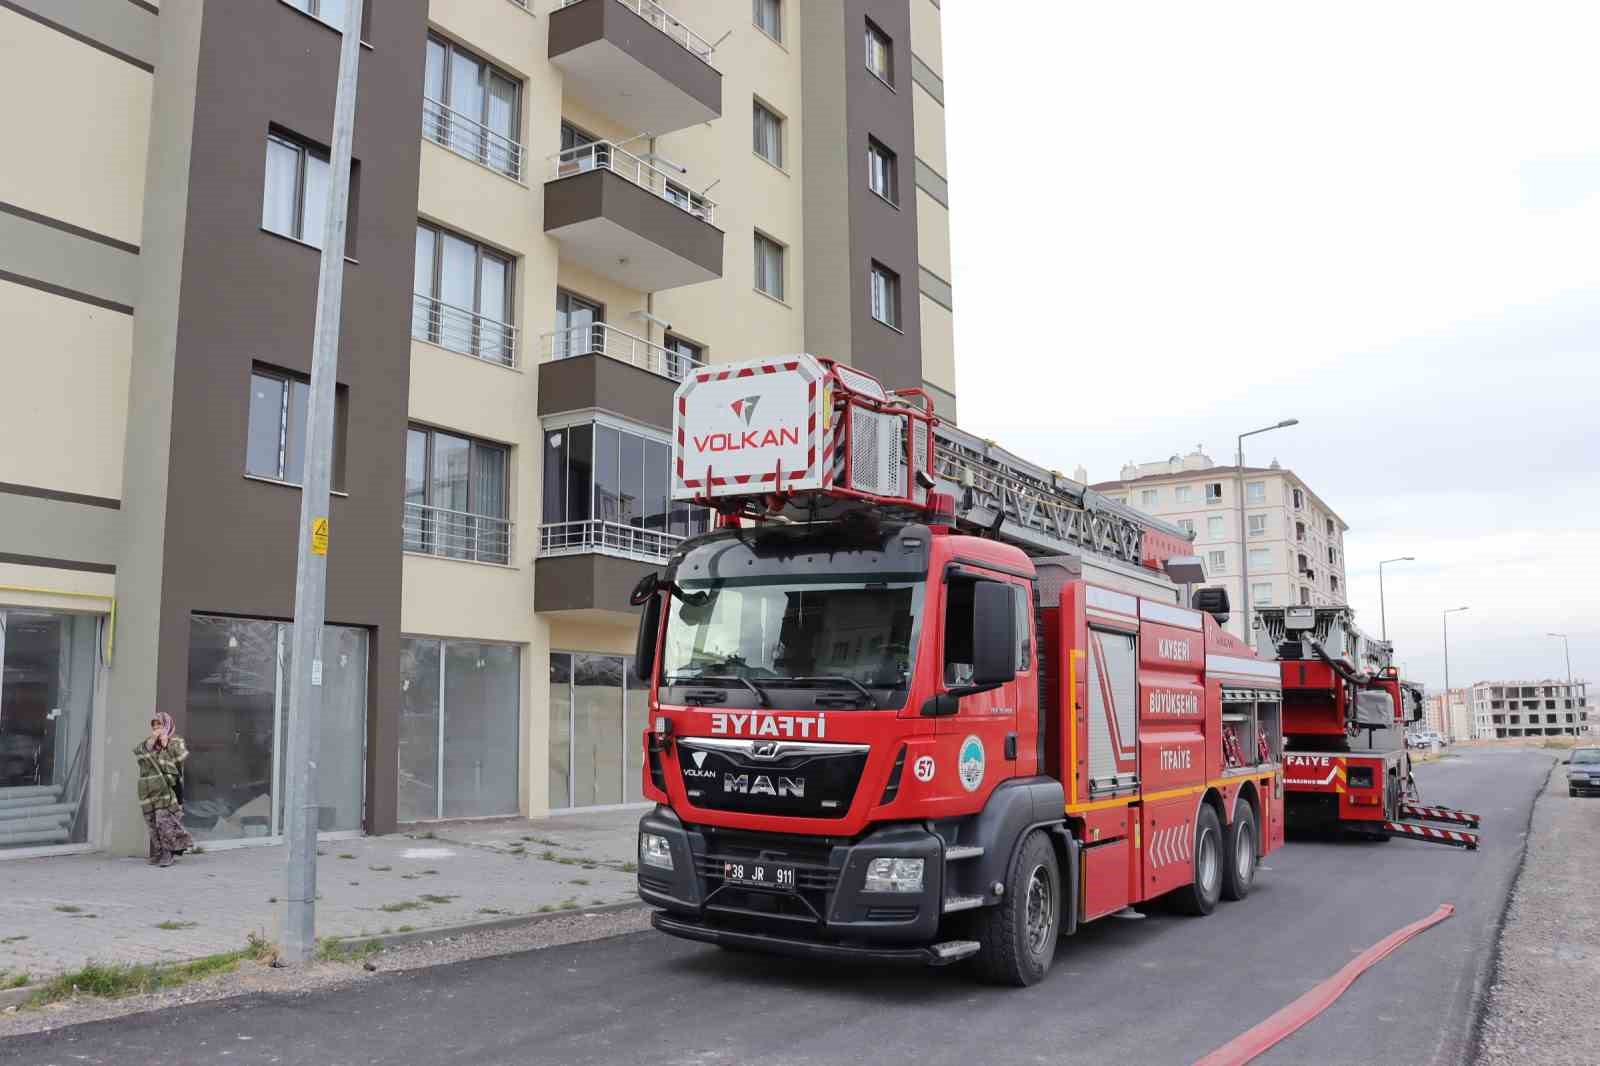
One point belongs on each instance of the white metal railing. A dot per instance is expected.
(598, 537)
(604, 155)
(654, 14)
(471, 139)
(462, 331)
(456, 534)
(601, 339)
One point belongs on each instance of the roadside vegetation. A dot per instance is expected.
(115, 980)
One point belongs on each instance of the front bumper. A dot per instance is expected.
(829, 915)
(1583, 786)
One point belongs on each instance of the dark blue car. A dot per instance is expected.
(1583, 772)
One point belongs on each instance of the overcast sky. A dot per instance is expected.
(1173, 222)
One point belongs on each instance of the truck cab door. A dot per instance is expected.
(980, 649)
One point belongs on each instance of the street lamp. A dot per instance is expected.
(1244, 547)
(1568, 646)
(1383, 612)
(1444, 702)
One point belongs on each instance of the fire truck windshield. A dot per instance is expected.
(845, 637)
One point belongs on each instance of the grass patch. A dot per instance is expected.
(171, 925)
(380, 869)
(429, 835)
(68, 908)
(546, 908)
(429, 871)
(492, 910)
(336, 951)
(16, 981)
(346, 855)
(578, 881)
(113, 981)
(429, 897)
(630, 867)
(406, 929)
(83, 916)
(403, 905)
(13, 939)
(408, 877)
(1560, 742)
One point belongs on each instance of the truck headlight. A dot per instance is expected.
(894, 875)
(655, 851)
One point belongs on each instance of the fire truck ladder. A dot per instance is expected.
(1412, 831)
(1448, 815)
(1038, 510)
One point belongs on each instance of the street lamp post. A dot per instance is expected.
(1244, 545)
(1444, 701)
(1567, 646)
(1383, 610)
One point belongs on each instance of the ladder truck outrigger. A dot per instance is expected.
(1345, 712)
(916, 699)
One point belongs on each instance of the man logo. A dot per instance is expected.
(745, 408)
(699, 759)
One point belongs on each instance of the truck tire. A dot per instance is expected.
(1239, 852)
(1199, 897)
(1018, 936)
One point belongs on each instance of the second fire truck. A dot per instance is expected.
(919, 700)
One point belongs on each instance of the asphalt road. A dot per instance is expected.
(1165, 989)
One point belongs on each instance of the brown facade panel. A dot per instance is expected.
(571, 203)
(584, 382)
(584, 582)
(598, 41)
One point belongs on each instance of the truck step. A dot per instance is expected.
(951, 950)
(962, 903)
(1440, 814)
(957, 852)
(1410, 830)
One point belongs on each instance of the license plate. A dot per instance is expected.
(759, 875)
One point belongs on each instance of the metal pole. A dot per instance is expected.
(1444, 701)
(1383, 610)
(1244, 545)
(311, 572)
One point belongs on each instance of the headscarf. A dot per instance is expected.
(165, 727)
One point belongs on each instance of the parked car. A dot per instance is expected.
(1424, 738)
(1583, 772)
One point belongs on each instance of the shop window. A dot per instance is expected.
(598, 713)
(460, 729)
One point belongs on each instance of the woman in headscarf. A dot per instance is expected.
(161, 756)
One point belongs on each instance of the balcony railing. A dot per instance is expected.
(604, 155)
(462, 331)
(456, 534)
(471, 139)
(653, 13)
(596, 537)
(601, 339)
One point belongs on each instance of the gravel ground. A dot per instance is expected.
(251, 978)
(1544, 1004)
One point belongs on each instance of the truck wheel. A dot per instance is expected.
(1018, 936)
(1239, 867)
(1199, 896)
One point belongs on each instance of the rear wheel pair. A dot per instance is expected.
(1224, 862)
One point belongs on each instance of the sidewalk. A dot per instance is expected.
(58, 913)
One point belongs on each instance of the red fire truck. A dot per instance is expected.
(916, 699)
(1345, 710)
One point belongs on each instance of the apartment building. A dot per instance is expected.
(557, 209)
(1545, 708)
(1450, 717)
(1294, 544)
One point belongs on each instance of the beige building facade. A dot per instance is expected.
(1292, 545)
(1546, 708)
(557, 210)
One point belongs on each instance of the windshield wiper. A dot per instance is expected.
(761, 693)
(840, 679)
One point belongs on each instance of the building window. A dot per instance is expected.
(295, 201)
(684, 354)
(882, 171)
(238, 701)
(1213, 491)
(1330, 527)
(1214, 527)
(332, 12)
(470, 106)
(579, 325)
(885, 295)
(1183, 493)
(598, 712)
(1258, 525)
(768, 17)
(1333, 582)
(1255, 492)
(275, 436)
(1260, 558)
(1187, 525)
(1147, 497)
(1300, 532)
(463, 296)
(1261, 594)
(768, 132)
(460, 729)
(1304, 564)
(1299, 499)
(1305, 597)
(51, 665)
(1216, 563)
(880, 54)
(609, 490)
(769, 266)
(457, 497)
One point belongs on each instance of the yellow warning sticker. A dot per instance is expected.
(319, 536)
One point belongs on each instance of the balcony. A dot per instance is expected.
(632, 61)
(613, 343)
(456, 534)
(593, 565)
(462, 331)
(621, 217)
(471, 140)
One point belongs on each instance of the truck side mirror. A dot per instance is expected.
(644, 647)
(994, 634)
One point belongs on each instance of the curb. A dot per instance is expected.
(12, 997)
(448, 932)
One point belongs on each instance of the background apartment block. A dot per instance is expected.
(1295, 541)
(557, 211)
(1529, 709)
(1452, 718)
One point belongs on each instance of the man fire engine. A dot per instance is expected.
(1345, 710)
(918, 700)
